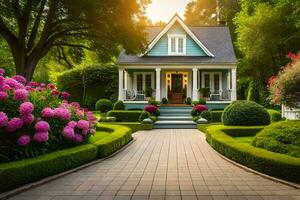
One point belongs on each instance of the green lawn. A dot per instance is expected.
(246, 139)
(98, 136)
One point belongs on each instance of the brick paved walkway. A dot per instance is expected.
(163, 164)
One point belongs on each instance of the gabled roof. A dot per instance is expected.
(163, 31)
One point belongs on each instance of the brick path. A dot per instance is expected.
(163, 164)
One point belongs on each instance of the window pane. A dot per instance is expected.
(180, 45)
(139, 82)
(216, 82)
(173, 45)
(206, 81)
(148, 81)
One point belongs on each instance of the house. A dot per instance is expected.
(181, 62)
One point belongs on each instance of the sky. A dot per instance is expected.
(165, 9)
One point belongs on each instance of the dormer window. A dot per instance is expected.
(176, 44)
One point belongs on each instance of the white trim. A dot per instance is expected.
(211, 79)
(144, 79)
(176, 18)
(180, 66)
(177, 37)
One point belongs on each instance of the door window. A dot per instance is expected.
(148, 81)
(139, 80)
(216, 82)
(206, 80)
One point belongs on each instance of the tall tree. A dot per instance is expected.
(32, 28)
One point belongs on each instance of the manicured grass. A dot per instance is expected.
(274, 164)
(246, 139)
(98, 136)
(134, 126)
(98, 115)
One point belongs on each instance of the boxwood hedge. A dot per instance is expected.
(274, 164)
(126, 115)
(216, 115)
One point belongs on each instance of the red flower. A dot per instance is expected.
(272, 80)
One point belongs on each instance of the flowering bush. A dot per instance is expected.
(285, 88)
(198, 109)
(36, 118)
(152, 109)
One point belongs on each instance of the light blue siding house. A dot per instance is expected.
(181, 62)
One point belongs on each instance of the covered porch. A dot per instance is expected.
(177, 83)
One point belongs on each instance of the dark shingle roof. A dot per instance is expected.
(216, 39)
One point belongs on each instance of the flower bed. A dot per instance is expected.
(35, 119)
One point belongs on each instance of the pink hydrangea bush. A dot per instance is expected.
(198, 109)
(36, 118)
(152, 109)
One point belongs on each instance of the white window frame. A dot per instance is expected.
(176, 36)
(211, 77)
(144, 79)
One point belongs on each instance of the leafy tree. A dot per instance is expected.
(32, 28)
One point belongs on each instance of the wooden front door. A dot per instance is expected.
(177, 88)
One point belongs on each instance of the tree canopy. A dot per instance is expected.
(32, 28)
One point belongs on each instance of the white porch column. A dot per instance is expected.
(157, 86)
(233, 81)
(195, 85)
(125, 80)
(121, 87)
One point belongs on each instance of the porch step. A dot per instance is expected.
(175, 118)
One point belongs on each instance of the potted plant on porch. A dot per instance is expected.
(205, 93)
(149, 91)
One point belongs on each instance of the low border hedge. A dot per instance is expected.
(134, 126)
(18, 173)
(216, 115)
(274, 164)
(120, 136)
(125, 115)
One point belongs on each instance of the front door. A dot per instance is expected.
(177, 88)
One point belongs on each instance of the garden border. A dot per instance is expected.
(28, 186)
(264, 161)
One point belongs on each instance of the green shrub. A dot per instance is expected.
(196, 118)
(126, 115)
(144, 115)
(119, 105)
(104, 105)
(151, 101)
(108, 119)
(18, 173)
(275, 116)
(245, 113)
(206, 115)
(118, 138)
(274, 164)
(153, 118)
(281, 137)
(188, 101)
(242, 131)
(90, 83)
(202, 101)
(216, 115)
(164, 100)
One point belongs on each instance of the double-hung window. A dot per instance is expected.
(176, 44)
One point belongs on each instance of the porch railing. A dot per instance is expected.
(135, 95)
(220, 95)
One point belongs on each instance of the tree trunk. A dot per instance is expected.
(26, 69)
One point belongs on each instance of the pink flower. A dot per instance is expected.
(92, 131)
(3, 96)
(85, 132)
(72, 124)
(62, 113)
(78, 138)
(13, 83)
(27, 119)
(42, 126)
(24, 140)
(75, 104)
(5, 87)
(29, 89)
(200, 108)
(41, 136)
(55, 93)
(83, 124)
(20, 94)
(51, 86)
(26, 108)
(47, 113)
(68, 132)
(14, 124)
(33, 84)
(2, 72)
(65, 95)
(20, 79)
(79, 113)
(43, 85)
(150, 108)
(3, 119)
(1, 79)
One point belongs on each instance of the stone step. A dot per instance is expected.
(175, 125)
(175, 118)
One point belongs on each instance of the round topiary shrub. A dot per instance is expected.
(104, 105)
(119, 105)
(164, 100)
(144, 115)
(275, 116)
(281, 137)
(245, 113)
(206, 115)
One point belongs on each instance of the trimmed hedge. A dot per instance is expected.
(104, 105)
(216, 115)
(134, 126)
(18, 173)
(126, 115)
(275, 116)
(245, 113)
(242, 131)
(274, 164)
(120, 136)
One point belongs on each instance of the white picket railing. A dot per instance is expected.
(290, 113)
